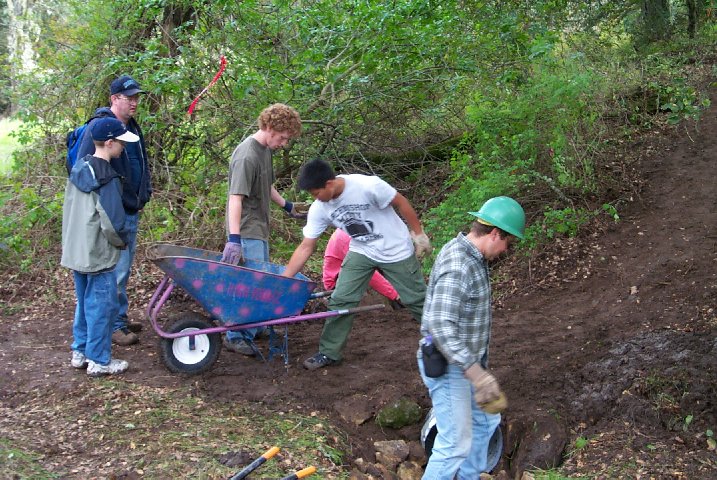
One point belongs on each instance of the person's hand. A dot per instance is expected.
(486, 391)
(396, 304)
(296, 209)
(233, 253)
(495, 406)
(422, 244)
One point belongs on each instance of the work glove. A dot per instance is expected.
(495, 406)
(232, 253)
(296, 209)
(486, 391)
(422, 244)
(396, 304)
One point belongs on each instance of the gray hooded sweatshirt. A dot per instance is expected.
(92, 217)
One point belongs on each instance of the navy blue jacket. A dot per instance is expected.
(133, 201)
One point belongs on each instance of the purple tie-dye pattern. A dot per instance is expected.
(252, 292)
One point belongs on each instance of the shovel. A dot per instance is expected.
(301, 474)
(256, 464)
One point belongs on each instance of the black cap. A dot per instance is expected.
(110, 128)
(125, 85)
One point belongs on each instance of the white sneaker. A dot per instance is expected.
(115, 366)
(78, 360)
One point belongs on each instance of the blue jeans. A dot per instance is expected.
(96, 309)
(464, 430)
(257, 250)
(123, 270)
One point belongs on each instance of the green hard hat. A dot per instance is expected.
(504, 213)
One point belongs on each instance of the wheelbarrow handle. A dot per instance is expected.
(301, 473)
(256, 464)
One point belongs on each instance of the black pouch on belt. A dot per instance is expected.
(434, 363)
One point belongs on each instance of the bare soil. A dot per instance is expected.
(610, 337)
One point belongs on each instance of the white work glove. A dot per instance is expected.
(422, 244)
(486, 391)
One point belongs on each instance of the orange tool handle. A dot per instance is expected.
(301, 473)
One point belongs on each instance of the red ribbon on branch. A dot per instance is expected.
(223, 65)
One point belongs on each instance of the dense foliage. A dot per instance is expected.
(452, 102)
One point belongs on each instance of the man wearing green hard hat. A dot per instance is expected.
(453, 353)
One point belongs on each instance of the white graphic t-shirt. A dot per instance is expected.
(363, 211)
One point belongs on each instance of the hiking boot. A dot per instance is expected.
(115, 366)
(78, 360)
(134, 327)
(319, 361)
(124, 337)
(239, 347)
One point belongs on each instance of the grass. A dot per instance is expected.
(8, 144)
(18, 462)
(162, 433)
(549, 475)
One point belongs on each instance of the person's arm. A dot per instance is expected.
(383, 286)
(420, 240)
(293, 209)
(404, 208)
(277, 198)
(332, 266)
(234, 208)
(299, 257)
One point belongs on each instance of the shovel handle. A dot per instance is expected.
(301, 473)
(256, 464)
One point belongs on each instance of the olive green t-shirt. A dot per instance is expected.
(251, 174)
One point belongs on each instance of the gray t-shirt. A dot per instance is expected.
(251, 174)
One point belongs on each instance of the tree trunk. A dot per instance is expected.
(656, 17)
(695, 10)
(21, 32)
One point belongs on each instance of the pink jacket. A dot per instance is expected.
(336, 250)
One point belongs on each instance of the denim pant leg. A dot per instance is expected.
(258, 250)
(79, 325)
(356, 272)
(452, 406)
(406, 277)
(101, 306)
(484, 424)
(123, 269)
(464, 430)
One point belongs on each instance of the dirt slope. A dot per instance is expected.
(611, 338)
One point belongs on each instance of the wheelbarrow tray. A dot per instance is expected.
(250, 293)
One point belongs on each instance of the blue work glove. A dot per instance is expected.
(232, 251)
(296, 210)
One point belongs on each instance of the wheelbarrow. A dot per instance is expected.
(236, 297)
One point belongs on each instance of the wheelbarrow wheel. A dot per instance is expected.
(178, 354)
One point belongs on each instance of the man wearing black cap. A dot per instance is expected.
(133, 166)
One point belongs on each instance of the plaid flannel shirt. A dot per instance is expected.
(457, 311)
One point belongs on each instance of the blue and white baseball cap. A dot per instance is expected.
(110, 128)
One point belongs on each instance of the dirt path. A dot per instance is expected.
(617, 347)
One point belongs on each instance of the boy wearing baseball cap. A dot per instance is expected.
(93, 232)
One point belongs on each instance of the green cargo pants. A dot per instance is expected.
(356, 271)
